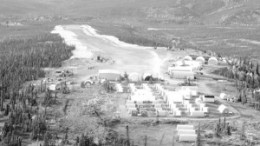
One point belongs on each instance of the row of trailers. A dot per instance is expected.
(156, 100)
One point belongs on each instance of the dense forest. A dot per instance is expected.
(23, 60)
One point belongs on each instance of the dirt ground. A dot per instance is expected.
(79, 116)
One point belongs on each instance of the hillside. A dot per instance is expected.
(166, 11)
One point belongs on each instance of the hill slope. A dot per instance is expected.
(164, 11)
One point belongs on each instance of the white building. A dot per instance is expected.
(111, 75)
(208, 98)
(134, 77)
(181, 72)
(223, 96)
(200, 59)
(213, 61)
(188, 58)
(223, 109)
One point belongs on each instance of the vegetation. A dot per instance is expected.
(246, 74)
(222, 128)
(21, 61)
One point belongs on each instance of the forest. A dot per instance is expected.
(23, 60)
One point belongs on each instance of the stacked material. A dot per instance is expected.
(119, 88)
(186, 133)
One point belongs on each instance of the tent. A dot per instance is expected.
(187, 58)
(213, 61)
(200, 59)
(223, 96)
(223, 109)
(147, 76)
(134, 77)
(119, 88)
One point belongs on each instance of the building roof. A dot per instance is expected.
(109, 71)
(209, 96)
(200, 58)
(180, 68)
(187, 58)
(213, 58)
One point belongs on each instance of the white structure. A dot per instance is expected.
(200, 59)
(134, 77)
(181, 72)
(187, 127)
(52, 87)
(197, 114)
(145, 75)
(223, 96)
(186, 133)
(119, 88)
(189, 58)
(213, 61)
(187, 137)
(195, 65)
(111, 75)
(223, 109)
(208, 98)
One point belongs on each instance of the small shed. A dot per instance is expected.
(213, 61)
(208, 98)
(200, 59)
(223, 109)
(188, 58)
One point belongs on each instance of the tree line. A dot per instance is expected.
(246, 75)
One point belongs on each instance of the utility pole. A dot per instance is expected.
(127, 136)
(2, 96)
(145, 140)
